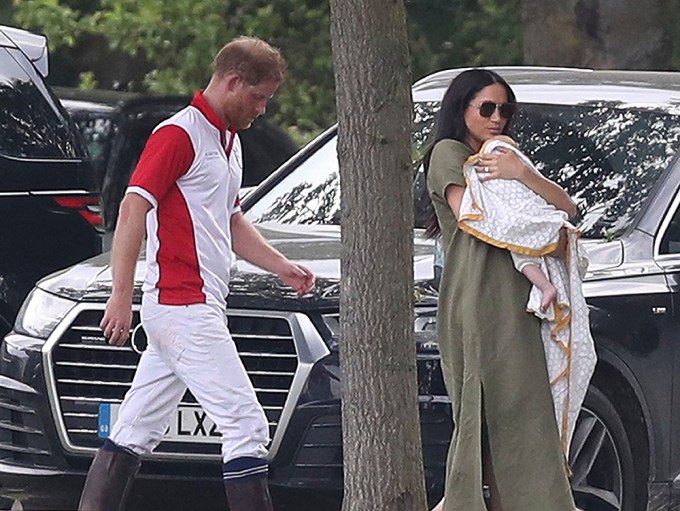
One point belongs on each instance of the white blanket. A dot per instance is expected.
(507, 214)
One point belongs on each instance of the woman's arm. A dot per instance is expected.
(454, 195)
(549, 190)
(505, 164)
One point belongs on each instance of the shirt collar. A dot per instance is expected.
(199, 102)
(202, 105)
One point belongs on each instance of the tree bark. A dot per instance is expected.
(381, 429)
(602, 34)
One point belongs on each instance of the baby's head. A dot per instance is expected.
(504, 138)
(489, 145)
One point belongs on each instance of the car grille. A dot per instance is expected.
(21, 436)
(320, 456)
(87, 371)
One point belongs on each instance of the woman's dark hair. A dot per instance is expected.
(451, 120)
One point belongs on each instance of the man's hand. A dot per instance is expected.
(127, 241)
(249, 244)
(117, 320)
(298, 277)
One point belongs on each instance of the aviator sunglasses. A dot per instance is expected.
(487, 108)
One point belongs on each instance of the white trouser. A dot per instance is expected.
(190, 346)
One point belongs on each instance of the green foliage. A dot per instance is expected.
(301, 28)
(460, 33)
(174, 42)
(180, 46)
(87, 80)
(178, 40)
(60, 23)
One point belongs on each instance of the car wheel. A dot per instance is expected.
(600, 457)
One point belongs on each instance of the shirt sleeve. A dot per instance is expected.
(167, 155)
(446, 166)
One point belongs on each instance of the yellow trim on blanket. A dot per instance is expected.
(563, 318)
(475, 206)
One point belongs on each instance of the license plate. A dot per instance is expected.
(189, 424)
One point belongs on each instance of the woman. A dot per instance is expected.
(492, 356)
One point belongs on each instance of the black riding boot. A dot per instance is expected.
(109, 481)
(249, 495)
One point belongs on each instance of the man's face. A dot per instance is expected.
(246, 102)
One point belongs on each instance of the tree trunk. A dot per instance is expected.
(381, 429)
(602, 34)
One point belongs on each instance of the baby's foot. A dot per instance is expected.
(548, 296)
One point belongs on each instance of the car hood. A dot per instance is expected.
(316, 247)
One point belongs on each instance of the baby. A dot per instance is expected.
(508, 214)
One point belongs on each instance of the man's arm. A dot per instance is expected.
(127, 243)
(249, 244)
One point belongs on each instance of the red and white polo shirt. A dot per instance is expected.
(190, 171)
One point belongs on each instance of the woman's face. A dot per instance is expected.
(480, 129)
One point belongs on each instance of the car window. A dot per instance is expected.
(605, 156)
(670, 244)
(31, 128)
(608, 158)
(308, 195)
(311, 193)
(97, 130)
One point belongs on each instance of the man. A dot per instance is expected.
(183, 196)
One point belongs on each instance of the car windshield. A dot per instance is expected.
(607, 157)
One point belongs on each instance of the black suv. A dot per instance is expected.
(116, 124)
(611, 138)
(49, 212)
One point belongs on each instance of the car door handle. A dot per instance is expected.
(659, 310)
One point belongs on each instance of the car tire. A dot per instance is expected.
(601, 459)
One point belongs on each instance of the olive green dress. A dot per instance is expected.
(494, 367)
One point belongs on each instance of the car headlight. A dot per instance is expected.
(40, 313)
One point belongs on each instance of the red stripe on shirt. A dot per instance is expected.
(184, 285)
(167, 156)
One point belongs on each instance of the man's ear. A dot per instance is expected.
(233, 81)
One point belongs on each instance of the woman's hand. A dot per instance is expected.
(505, 164)
(501, 164)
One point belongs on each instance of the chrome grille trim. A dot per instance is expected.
(24, 450)
(19, 429)
(306, 340)
(95, 366)
(93, 347)
(16, 408)
(91, 399)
